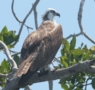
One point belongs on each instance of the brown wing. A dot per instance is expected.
(33, 47)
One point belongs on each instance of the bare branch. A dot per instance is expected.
(12, 51)
(86, 83)
(65, 72)
(35, 17)
(12, 85)
(10, 59)
(16, 53)
(56, 59)
(3, 75)
(12, 7)
(80, 19)
(71, 35)
(20, 30)
(50, 84)
(90, 39)
(80, 14)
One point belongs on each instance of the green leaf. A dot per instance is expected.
(64, 86)
(93, 83)
(16, 58)
(5, 67)
(77, 52)
(10, 46)
(8, 37)
(81, 45)
(4, 30)
(92, 49)
(63, 61)
(1, 38)
(73, 43)
(66, 47)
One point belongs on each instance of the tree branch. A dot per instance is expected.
(2, 82)
(10, 59)
(3, 75)
(20, 30)
(80, 19)
(53, 75)
(71, 35)
(50, 84)
(65, 72)
(12, 7)
(80, 25)
(86, 83)
(35, 17)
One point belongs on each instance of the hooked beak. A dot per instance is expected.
(57, 14)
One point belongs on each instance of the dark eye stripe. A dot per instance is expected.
(52, 11)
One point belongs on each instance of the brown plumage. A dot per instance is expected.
(39, 49)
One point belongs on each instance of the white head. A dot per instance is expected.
(49, 14)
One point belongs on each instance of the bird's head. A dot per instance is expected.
(50, 14)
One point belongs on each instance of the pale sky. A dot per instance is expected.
(68, 10)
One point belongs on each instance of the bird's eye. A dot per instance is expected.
(52, 11)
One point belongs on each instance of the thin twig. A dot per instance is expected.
(12, 7)
(57, 60)
(10, 59)
(12, 51)
(16, 53)
(90, 39)
(80, 20)
(35, 17)
(87, 83)
(71, 35)
(20, 30)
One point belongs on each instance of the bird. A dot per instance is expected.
(40, 47)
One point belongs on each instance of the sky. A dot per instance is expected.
(68, 10)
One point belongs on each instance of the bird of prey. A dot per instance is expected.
(40, 47)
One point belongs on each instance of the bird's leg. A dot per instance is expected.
(55, 68)
(44, 71)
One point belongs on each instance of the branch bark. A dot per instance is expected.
(85, 66)
(80, 20)
(50, 82)
(3, 75)
(10, 59)
(35, 17)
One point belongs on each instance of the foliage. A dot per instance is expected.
(5, 68)
(70, 55)
(8, 37)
